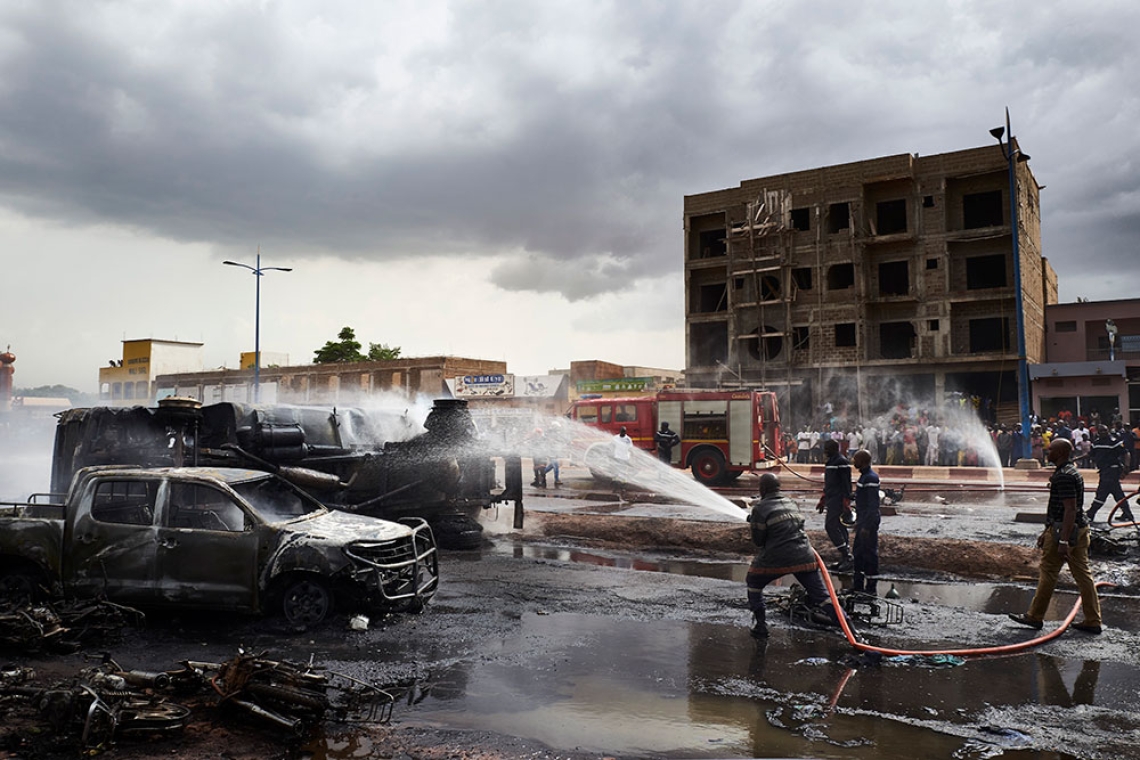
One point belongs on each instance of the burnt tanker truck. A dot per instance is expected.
(352, 459)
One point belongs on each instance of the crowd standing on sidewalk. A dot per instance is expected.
(915, 436)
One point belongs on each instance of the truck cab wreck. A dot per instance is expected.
(212, 538)
(351, 459)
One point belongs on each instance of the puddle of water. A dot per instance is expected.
(989, 598)
(671, 689)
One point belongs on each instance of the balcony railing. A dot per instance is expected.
(1101, 355)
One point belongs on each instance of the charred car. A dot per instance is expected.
(211, 538)
(353, 459)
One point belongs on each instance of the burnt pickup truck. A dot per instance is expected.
(211, 538)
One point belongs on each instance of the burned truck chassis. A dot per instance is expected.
(337, 455)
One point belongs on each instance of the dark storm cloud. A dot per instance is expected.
(558, 138)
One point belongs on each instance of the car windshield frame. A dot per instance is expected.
(300, 506)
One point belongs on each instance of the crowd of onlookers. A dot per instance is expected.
(911, 436)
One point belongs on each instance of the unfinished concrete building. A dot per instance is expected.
(867, 284)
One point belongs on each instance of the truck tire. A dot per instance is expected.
(708, 467)
(456, 531)
(305, 600)
(21, 583)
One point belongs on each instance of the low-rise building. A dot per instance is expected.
(1092, 360)
(128, 381)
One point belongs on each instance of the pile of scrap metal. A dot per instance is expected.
(353, 459)
(96, 707)
(108, 702)
(62, 626)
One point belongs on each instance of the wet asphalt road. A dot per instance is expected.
(581, 652)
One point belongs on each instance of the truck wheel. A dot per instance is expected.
(306, 601)
(708, 467)
(20, 584)
(458, 532)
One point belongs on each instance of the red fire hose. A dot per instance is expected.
(1117, 507)
(979, 652)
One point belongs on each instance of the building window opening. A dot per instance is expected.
(896, 340)
(712, 244)
(713, 298)
(738, 283)
(708, 343)
(894, 278)
(801, 338)
(890, 217)
(840, 276)
(845, 334)
(1069, 326)
(767, 347)
(116, 390)
(928, 201)
(769, 288)
(985, 272)
(932, 325)
(801, 219)
(982, 210)
(932, 263)
(801, 276)
(989, 334)
(838, 217)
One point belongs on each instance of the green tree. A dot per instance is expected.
(380, 352)
(347, 349)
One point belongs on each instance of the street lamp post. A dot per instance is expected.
(258, 271)
(1014, 156)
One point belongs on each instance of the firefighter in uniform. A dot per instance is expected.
(784, 549)
(836, 502)
(1109, 456)
(865, 546)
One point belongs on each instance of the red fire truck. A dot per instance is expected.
(723, 433)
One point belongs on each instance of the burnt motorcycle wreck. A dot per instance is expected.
(353, 459)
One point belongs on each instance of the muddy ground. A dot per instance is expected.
(536, 611)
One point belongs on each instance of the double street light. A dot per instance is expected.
(1014, 156)
(258, 271)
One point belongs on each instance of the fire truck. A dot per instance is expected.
(723, 432)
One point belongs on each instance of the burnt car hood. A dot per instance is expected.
(343, 527)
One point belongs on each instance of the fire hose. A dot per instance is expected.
(979, 652)
(1116, 508)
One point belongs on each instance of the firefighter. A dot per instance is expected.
(836, 502)
(784, 549)
(666, 439)
(1108, 455)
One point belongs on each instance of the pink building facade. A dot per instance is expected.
(1092, 352)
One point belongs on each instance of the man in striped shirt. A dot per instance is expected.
(1065, 541)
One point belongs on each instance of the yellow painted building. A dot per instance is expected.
(129, 381)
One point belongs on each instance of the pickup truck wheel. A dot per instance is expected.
(305, 602)
(21, 584)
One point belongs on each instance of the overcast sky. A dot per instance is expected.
(497, 180)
